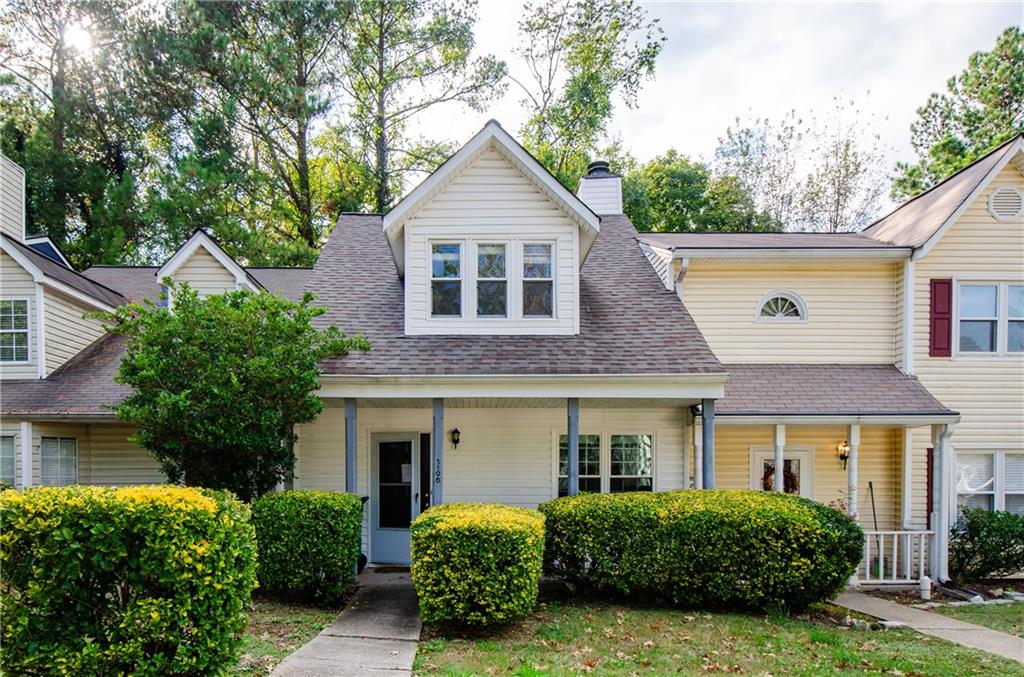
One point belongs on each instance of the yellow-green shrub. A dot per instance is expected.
(477, 563)
(309, 543)
(743, 548)
(141, 580)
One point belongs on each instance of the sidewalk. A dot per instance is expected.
(936, 625)
(375, 634)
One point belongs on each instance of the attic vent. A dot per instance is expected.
(1006, 203)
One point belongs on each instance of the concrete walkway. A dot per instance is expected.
(376, 634)
(936, 625)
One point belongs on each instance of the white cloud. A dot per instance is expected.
(722, 60)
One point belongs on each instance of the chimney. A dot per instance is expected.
(12, 199)
(601, 190)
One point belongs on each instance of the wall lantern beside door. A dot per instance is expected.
(843, 452)
(456, 435)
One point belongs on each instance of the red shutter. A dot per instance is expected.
(929, 476)
(940, 318)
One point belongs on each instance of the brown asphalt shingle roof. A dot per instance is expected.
(71, 278)
(789, 240)
(85, 386)
(824, 389)
(915, 221)
(629, 324)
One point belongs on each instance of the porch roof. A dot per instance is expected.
(827, 391)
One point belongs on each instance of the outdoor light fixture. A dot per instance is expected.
(455, 438)
(843, 452)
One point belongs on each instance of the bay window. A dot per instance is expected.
(990, 318)
(990, 480)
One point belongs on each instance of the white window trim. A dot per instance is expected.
(431, 279)
(14, 458)
(790, 295)
(1002, 318)
(78, 457)
(28, 330)
(998, 491)
(606, 458)
(601, 476)
(514, 256)
(804, 454)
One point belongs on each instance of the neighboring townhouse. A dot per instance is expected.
(529, 343)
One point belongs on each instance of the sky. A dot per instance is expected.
(723, 60)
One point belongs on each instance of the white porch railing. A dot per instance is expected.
(894, 557)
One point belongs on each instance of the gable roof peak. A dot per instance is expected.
(201, 239)
(491, 135)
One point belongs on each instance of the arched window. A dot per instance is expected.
(781, 306)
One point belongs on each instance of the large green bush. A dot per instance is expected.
(477, 564)
(986, 544)
(141, 580)
(309, 543)
(736, 548)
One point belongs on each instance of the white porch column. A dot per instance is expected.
(907, 496)
(437, 442)
(26, 454)
(780, 447)
(350, 445)
(573, 407)
(943, 514)
(698, 454)
(853, 439)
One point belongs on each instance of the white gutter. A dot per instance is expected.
(837, 419)
(778, 253)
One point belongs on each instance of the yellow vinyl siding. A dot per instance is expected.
(17, 283)
(205, 274)
(67, 332)
(878, 464)
(987, 391)
(850, 306)
(12, 199)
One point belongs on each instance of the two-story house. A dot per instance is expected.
(528, 342)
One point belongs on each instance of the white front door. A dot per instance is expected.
(394, 495)
(798, 470)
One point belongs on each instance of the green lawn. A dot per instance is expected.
(1004, 617)
(609, 639)
(276, 630)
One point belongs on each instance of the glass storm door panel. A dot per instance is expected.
(394, 496)
(790, 475)
(797, 471)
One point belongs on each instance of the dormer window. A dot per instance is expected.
(538, 281)
(491, 280)
(14, 330)
(446, 279)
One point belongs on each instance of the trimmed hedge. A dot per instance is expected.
(476, 564)
(986, 544)
(140, 580)
(735, 548)
(309, 543)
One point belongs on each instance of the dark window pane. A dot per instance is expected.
(445, 260)
(537, 299)
(977, 336)
(490, 299)
(588, 485)
(446, 298)
(1015, 336)
(536, 260)
(490, 260)
(790, 476)
(621, 484)
(590, 455)
(395, 510)
(394, 455)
